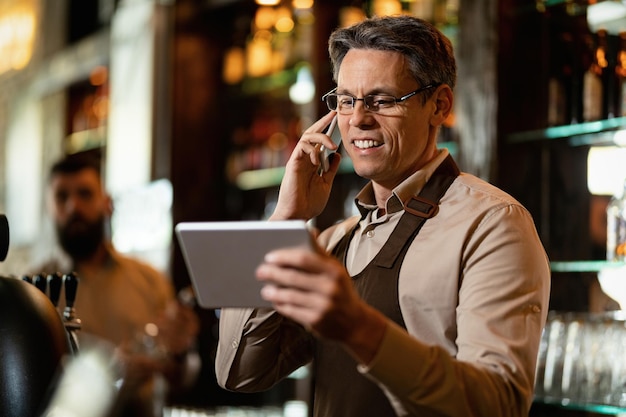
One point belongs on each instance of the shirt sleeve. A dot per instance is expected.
(502, 308)
(257, 348)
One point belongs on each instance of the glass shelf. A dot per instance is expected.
(593, 408)
(584, 266)
(601, 132)
(271, 177)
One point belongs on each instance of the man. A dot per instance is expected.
(432, 302)
(119, 299)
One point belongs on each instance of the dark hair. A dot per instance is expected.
(428, 52)
(73, 163)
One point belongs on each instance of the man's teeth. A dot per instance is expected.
(364, 144)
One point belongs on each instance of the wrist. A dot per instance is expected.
(366, 337)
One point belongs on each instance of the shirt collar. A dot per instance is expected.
(365, 200)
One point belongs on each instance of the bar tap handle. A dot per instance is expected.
(70, 281)
(55, 282)
(27, 278)
(40, 282)
(72, 323)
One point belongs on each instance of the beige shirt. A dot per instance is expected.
(115, 303)
(473, 291)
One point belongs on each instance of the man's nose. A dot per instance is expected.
(360, 115)
(72, 204)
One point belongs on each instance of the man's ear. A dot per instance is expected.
(444, 101)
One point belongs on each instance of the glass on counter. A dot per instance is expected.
(581, 359)
(289, 409)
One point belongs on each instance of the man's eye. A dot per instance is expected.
(383, 101)
(345, 101)
(60, 197)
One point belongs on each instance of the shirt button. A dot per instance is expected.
(234, 344)
(536, 309)
(370, 233)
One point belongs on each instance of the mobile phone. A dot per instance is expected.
(333, 132)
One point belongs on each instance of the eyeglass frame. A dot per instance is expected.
(396, 99)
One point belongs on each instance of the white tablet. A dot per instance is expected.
(222, 257)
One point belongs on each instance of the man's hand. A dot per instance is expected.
(178, 328)
(315, 290)
(160, 345)
(303, 192)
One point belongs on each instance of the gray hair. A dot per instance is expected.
(427, 51)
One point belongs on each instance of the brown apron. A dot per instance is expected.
(340, 390)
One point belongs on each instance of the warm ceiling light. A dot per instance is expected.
(284, 21)
(386, 7)
(284, 24)
(234, 65)
(18, 27)
(268, 2)
(259, 57)
(302, 4)
(265, 17)
(350, 15)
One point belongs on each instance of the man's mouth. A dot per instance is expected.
(366, 144)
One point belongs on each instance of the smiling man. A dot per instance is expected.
(432, 301)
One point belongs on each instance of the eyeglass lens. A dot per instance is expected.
(346, 103)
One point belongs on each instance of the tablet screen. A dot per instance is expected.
(222, 257)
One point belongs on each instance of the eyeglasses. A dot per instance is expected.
(344, 103)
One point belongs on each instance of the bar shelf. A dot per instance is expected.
(591, 408)
(584, 266)
(601, 132)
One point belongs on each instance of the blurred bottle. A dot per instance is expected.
(593, 86)
(616, 227)
(559, 78)
(610, 76)
(620, 70)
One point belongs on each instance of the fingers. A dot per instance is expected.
(313, 139)
(299, 258)
(320, 125)
(299, 276)
(290, 279)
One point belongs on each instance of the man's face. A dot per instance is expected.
(385, 148)
(79, 207)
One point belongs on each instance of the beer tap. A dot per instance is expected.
(72, 323)
(55, 282)
(40, 282)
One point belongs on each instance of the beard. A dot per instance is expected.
(80, 238)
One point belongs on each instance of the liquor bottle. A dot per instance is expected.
(556, 102)
(592, 80)
(610, 78)
(573, 71)
(558, 80)
(620, 72)
(616, 227)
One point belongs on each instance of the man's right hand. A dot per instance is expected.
(303, 192)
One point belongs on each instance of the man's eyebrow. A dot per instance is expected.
(372, 92)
